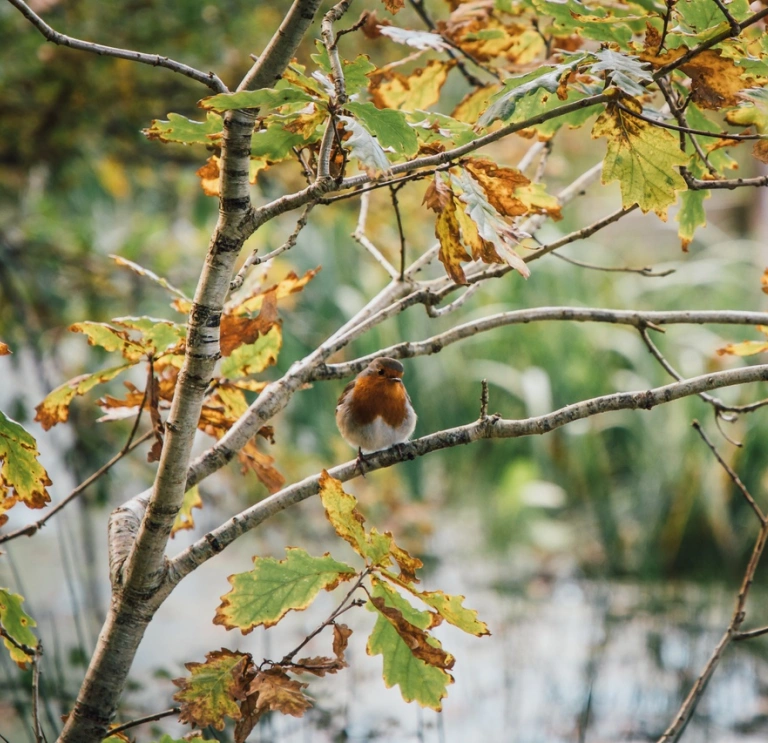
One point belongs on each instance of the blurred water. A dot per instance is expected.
(570, 659)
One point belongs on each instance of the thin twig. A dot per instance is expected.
(718, 405)
(695, 184)
(396, 206)
(255, 260)
(357, 25)
(734, 477)
(339, 610)
(530, 155)
(751, 633)
(142, 720)
(26, 649)
(30, 529)
(689, 130)
(691, 53)
(209, 79)
(484, 400)
(432, 311)
(735, 27)
(329, 40)
(37, 728)
(688, 707)
(542, 164)
(361, 238)
(646, 271)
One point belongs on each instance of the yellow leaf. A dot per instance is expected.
(452, 252)
(184, 518)
(642, 157)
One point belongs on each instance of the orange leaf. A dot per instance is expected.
(452, 252)
(280, 693)
(499, 185)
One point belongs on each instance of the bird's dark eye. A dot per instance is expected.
(381, 372)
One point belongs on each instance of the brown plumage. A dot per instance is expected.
(374, 410)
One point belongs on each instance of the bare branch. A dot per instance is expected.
(646, 271)
(360, 237)
(396, 206)
(18, 645)
(255, 260)
(492, 427)
(432, 311)
(37, 728)
(209, 79)
(734, 477)
(142, 720)
(683, 717)
(696, 184)
(329, 40)
(688, 130)
(634, 318)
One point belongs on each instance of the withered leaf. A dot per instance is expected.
(438, 195)
(414, 637)
(341, 635)
(393, 6)
(278, 692)
(452, 252)
(318, 666)
(499, 184)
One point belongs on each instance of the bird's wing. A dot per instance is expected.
(347, 390)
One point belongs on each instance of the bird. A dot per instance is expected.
(374, 411)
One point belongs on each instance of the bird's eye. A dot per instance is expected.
(381, 372)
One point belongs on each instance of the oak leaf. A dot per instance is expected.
(184, 518)
(214, 689)
(452, 252)
(642, 157)
(264, 595)
(278, 692)
(499, 184)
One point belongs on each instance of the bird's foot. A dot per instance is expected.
(360, 461)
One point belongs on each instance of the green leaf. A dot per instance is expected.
(275, 143)
(691, 215)
(417, 680)
(156, 336)
(264, 98)
(212, 690)
(389, 127)
(22, 477)
(450, 608)
(264, 595)
(719, 159)
(598, 23)
(642, 157)
(110, 339)
(253, 358)
(355, 72)
(364, 147)
(179, 128)
(623, 71)
(55, 407)
(17, 623)
(546, 77)
(435, 127)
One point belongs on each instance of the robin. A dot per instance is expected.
(374, 411)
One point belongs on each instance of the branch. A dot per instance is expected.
(492, 427)
(634, 318)
(691, 53)
(688, 130)
(361, 238)
(37, 728)
(136, 577)
(255, 260)
(209, 79)
(646, 271)
(329, 40)
(683, 717)
(31, 529)
(696, 184)
(142, 720)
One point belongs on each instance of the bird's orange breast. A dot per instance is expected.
(373, 397)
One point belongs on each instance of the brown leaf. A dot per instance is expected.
(760, 150)
(415, 638)
(474, 104)
(452, 252)
(716, 81)
(289, 285)
(341, 634)
(280, 693)
(393, 6)
(319, 665)
(499, 185)
(209, 176)
(238, 330)
(371, 26)
(251, 458)
(4, 350)
(407, 563)
(482, 249)
(764, 281)
(438, 195)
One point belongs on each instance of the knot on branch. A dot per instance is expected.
(123, 527)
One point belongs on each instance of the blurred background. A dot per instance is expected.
(605, 557)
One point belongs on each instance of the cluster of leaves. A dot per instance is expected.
(250, 340)
(230, 685)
